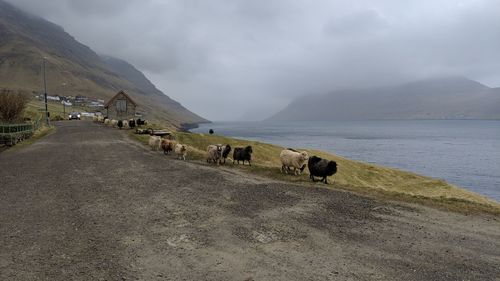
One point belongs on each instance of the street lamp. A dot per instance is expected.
(45, 95)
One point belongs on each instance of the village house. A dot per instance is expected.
(80, 100)
(95, 104)
(120, 107)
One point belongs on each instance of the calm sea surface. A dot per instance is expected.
(463, 152)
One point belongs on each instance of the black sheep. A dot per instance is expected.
(319, 167)
(243, 154)
(131, 123)
(140, 122)
(225, 153)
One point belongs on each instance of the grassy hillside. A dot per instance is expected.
(73, 68)
(352, 175)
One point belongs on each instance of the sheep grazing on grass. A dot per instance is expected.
(154, 143)
(214, 153)
(167, 146)
(242, 154)
(181, 151)
(291, 158)
(322, 168)
(226, 149)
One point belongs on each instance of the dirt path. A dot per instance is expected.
(88, 203)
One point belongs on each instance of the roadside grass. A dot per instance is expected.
(31, 111)
(40, 133)
(354, 176)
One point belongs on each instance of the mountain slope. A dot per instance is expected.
(174, 110)
(73, 68)
(443, 98)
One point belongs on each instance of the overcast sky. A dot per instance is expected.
(225, 59)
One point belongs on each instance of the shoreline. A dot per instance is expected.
(460, 152)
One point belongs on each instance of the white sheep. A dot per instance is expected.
(107, 122)
(114, 123)
(125, 124)
(181, 151)
(214, 153)
(155, 142)
(293, 159)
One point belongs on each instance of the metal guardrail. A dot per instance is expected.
(11, 134)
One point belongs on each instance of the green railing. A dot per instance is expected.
(10, 134)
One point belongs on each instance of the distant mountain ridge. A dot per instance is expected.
(75, 69)
(439, 98)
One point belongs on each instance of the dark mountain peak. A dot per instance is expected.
(45, 35)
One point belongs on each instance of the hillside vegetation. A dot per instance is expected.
(352, 175)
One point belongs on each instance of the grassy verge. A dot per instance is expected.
(40, 133)
(363, 178)
(32, 111)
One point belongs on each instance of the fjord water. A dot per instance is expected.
(463, 152)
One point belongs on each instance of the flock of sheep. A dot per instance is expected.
(125, 124)
(156, 143)
(292, 161)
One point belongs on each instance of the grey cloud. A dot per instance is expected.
(99, 8)
(351, 25)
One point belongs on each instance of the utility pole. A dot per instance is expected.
(64, 101)
(45, 89)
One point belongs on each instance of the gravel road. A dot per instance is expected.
(89, 203)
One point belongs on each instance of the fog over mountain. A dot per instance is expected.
(225, 59)
(438, 98)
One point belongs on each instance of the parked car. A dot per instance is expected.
(74, 115)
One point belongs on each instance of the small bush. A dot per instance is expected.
(12, 105)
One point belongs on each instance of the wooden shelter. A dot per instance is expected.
(120, 107)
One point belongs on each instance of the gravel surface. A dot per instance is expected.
(89, 203)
